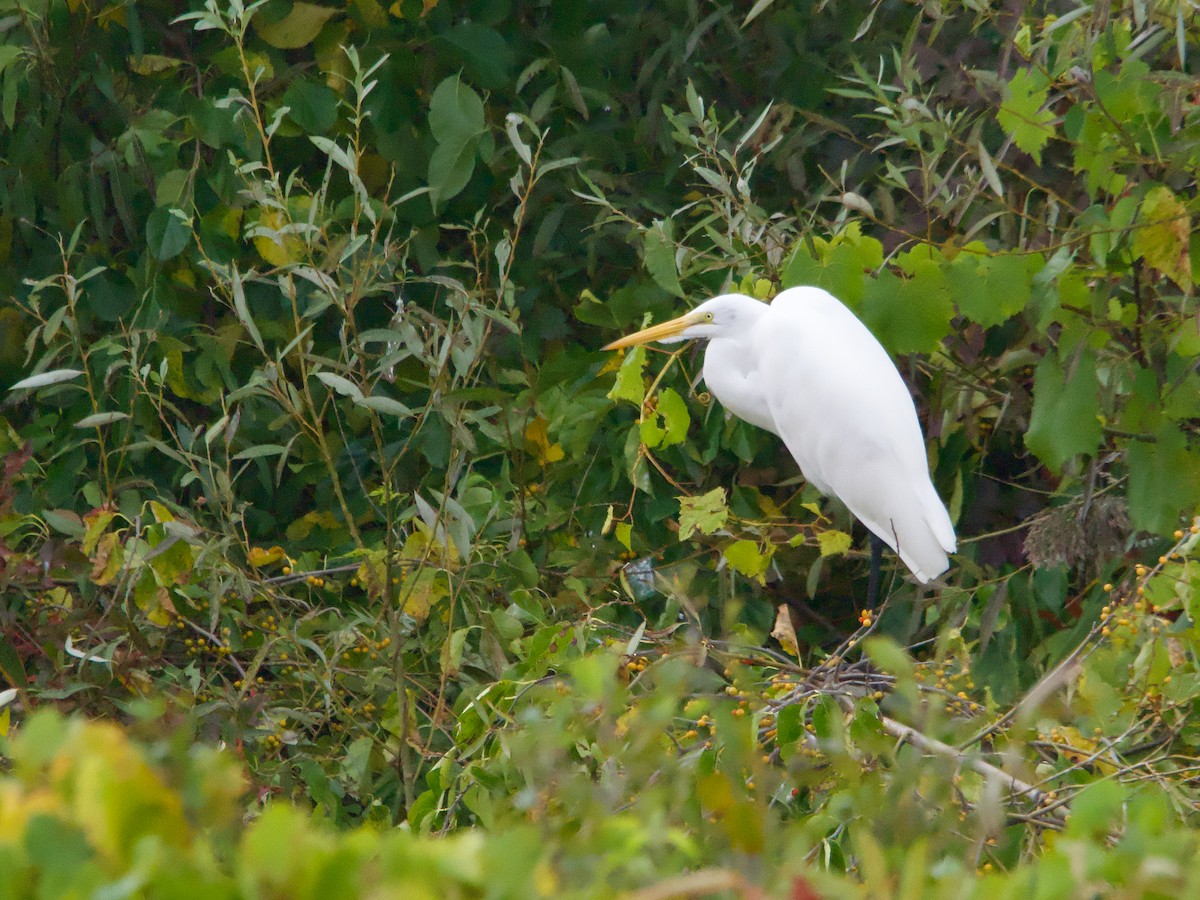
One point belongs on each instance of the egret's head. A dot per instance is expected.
(720, 316)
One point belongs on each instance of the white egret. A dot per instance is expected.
(806, 369)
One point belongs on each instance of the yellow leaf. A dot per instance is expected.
(625, 535)
(833, 542)
(421, 590)
(537, 441)
(715, 793)
(748, 559)
(161, 513)
(769, 507)
(114, 791)
(422, 546)
(261, 556)
(303, 527)
(97, 523)
(150, 63)
(297, 29)
(372, 13)
(612, 363)
(230, 221)
(184, 275)
(277, 249)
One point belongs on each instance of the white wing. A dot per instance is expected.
(847, 417)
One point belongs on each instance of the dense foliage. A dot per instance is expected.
(311, 460)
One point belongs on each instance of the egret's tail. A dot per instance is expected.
(919, 530)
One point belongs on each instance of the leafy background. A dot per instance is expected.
(316, 482)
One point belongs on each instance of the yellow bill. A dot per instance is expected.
(665, 331)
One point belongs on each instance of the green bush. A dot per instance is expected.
(310, 447)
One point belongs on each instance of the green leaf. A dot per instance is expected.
(385, 405)
(1065, 417)
(706, 513)
(456, 113)
(658, 250)
(789, 729)
(167, 233)
(675, 416)
(1097, 810)
(343, 386)
(841, 265)
(456, 119)
(1163, 236)
(449, 171)
(827, 719)
(1164, 480)
(889, 656)
(630, 385)
(991, 289)
(11, 666)
(1022, 114)
(242, 309)
(668, 423)
(485, 52)
(909, 315)
(312, 105)
(8, 54)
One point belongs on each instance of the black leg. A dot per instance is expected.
(873, 579)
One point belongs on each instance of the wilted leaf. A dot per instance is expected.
(784, 631)
(1164, 235)
(420, 590)
(706, 513)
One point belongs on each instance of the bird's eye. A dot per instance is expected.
(708, 317)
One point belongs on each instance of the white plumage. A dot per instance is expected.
(806, 369)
